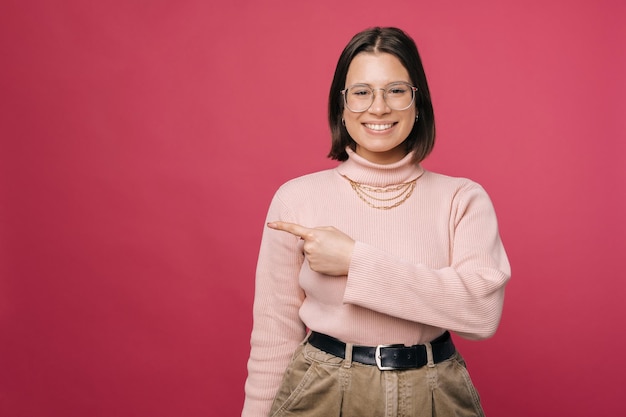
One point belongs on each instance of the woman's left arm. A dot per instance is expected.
(465, 297)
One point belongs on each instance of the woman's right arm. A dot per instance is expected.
(277, 329)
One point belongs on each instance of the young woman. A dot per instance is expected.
(365, 269)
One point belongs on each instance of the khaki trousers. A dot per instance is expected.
(318, 384)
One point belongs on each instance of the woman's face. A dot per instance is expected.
(379, 132)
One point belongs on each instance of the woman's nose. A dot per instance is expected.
(379, 105)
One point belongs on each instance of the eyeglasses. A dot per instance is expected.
(360, 97)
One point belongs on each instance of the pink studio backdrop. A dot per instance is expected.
(141, 142)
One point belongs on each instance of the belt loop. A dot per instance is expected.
(429, 355)
(347, 363)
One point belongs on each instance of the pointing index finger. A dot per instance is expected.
(293, 228)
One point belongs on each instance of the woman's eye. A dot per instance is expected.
(361, 92)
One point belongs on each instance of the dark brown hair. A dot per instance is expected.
(393, 41)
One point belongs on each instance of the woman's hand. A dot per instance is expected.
(327, 249)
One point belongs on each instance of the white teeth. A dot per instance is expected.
(378, 127)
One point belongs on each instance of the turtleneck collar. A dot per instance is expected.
(363, 171)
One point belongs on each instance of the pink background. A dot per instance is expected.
(141, 142)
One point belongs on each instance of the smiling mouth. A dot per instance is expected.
(378, 127)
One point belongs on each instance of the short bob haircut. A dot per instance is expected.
(393, 41)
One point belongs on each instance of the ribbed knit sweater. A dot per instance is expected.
(434, 263)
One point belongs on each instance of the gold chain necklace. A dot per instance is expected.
(394, 194)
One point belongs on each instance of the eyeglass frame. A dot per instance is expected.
(373, 90)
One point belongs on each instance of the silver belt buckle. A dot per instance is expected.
(378, 359)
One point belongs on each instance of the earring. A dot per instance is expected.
(417, 116)
(343, 121)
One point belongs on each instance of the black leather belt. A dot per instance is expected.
(387, 357)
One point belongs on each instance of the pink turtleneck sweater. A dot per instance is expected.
(434, 263)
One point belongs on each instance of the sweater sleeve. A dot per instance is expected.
(277, 328)
(465, 296)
